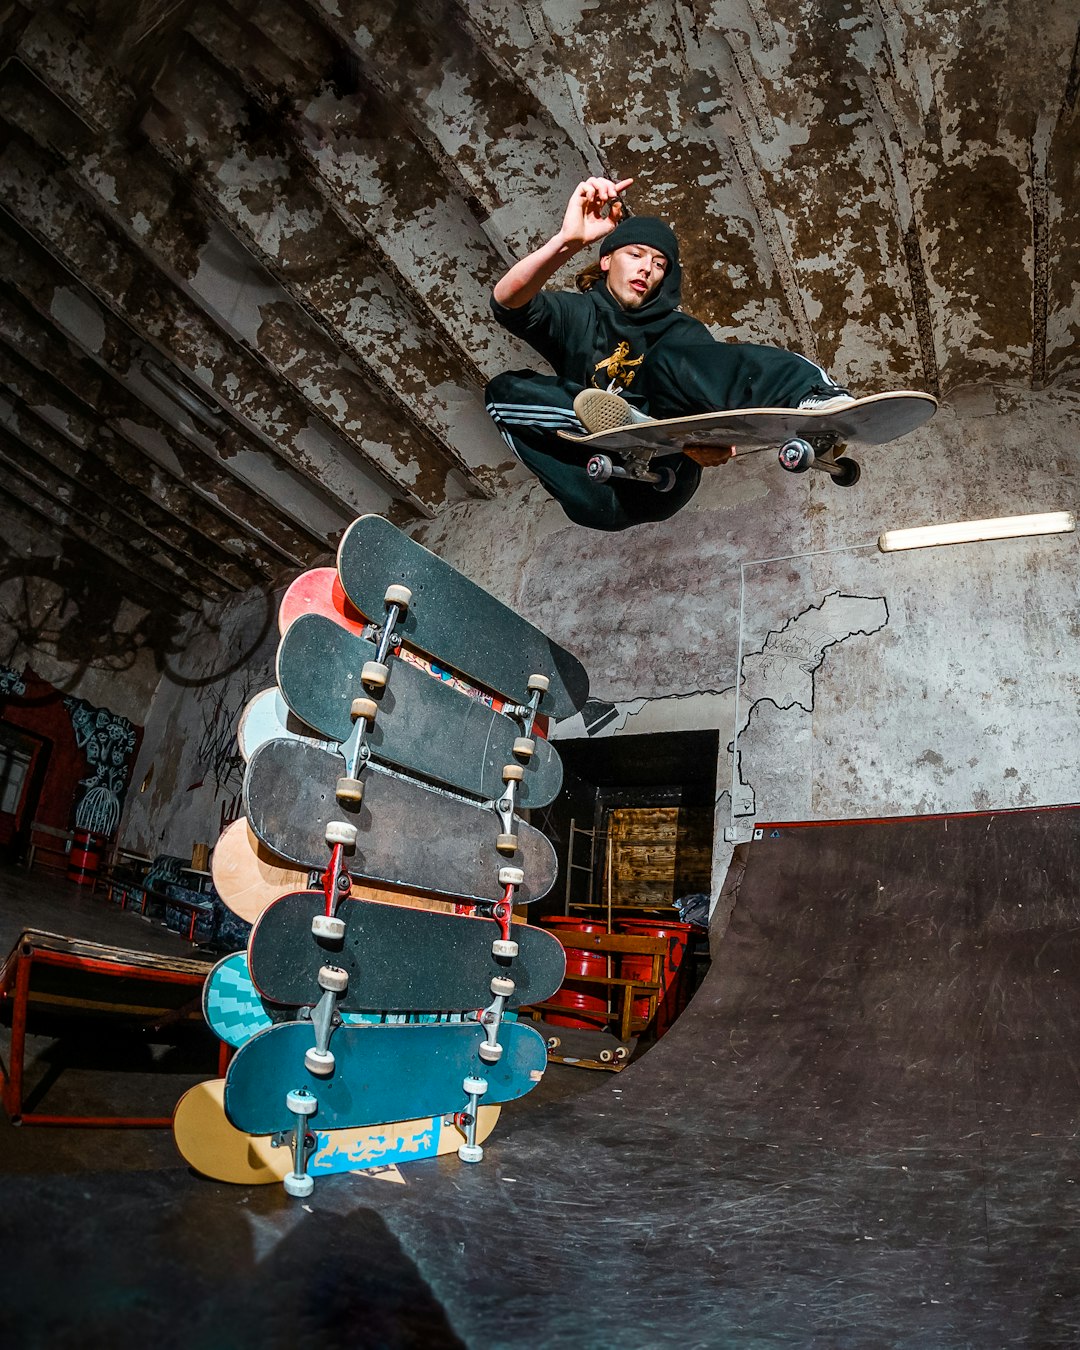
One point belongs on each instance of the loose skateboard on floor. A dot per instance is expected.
(217, 1149)
(402, 833)
(803, 439)
(380, 1073)
(397, 960)
(417, 723)
(586, 1047)
(455, 621)
(235, 1010)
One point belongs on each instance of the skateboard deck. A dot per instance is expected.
(235, 1010)
(215, 1148)
(408, 835)
(873, 420)
(267, 717)
(381, 1073)
(398, 960)
(585, 1047)
(423, 725)
(452, 619)
(319, 591)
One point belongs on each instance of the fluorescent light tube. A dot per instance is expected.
(973, 531)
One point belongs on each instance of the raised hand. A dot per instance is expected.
(593, 210)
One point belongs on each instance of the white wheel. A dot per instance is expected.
(365, 708)
(553, 1042)
(398, 595)
(513, 773)
(302, 1103)
(503, 947)
(319, 1061)
(475, 1087)
(621, 1053)
(490, 1054)
(341, 832)
(501, 986)
(506, 843)
(470, 1153)
(510, 876)
(349, 790)
(324, 926)
(334, 978)
(606, 1056)
(375, 674)
(540, 682)
(298, 1184)
(524, 747)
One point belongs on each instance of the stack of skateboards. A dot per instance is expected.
(379, 859)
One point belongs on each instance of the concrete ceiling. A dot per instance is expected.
(247, 247)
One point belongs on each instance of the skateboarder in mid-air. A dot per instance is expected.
(622, 351)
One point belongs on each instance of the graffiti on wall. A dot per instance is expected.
(12, 683)
(108, 741)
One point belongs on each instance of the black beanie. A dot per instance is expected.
(648, 230)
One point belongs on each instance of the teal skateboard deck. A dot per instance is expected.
(398, 959)
(455, 621)
(235, 1011)
(803, 438)
(381, 1073)
(407, 834)
(423, 725)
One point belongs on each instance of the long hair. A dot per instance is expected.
(589, 276)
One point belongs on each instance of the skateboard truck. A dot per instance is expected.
(336, 882)
(524, 746)
(819, 452)
(324, 1018)
(374, 676)
(525, 713)
(511, 878)
(600, 468)
(474, 1088)
(490, 1018)
(302, 1105)
(376, 673)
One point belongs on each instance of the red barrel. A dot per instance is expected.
(579, 963)
(85, 857)
(632, 966)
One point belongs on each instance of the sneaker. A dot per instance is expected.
(826, 398)
(597, 410)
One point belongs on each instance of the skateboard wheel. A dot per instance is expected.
(504, 947)
(349, 790)
(490, 1054)
(667, 479)
(470, 1153)
(540, 682)
(333, 978)
(319, 1061)
(621, 1052)
(365, 708)
(398, 595)
(513, 773)
(301, 1103)
(375, 674)
(475, 1087)
(598, 469)
(502, 986)
(324, 926)
(606, 1056)
(851, 473)
(510, 876)
(796, 455)
(524, 747)
(553, 1042)
(506, 843)
(341, 832)
(298, 1184)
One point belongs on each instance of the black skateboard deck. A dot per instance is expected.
(381, 1073)
(455, 621)
(586, 1047)
(408, 835)
(398, 960)
(423, 725)
(873, 420)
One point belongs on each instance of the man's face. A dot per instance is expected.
(633, 273)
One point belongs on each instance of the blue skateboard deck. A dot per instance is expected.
(454, 620)
(398, 960)
(408, 835)
(382, 1073)
(423, 725)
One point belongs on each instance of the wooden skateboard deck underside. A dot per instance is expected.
(399, 960)
(409, 835)
(454, 620)
(217, 1149)
(381, 1073)
(873, 420)
(423, 725)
